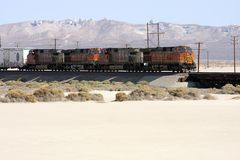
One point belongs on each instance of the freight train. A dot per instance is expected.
(176, 59)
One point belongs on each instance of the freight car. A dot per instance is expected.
(180, 59)
(13, 58)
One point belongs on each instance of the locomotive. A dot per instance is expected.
(178, 58)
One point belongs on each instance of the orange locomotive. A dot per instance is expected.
(178, 58)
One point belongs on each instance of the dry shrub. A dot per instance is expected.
(230, 89)
(14, 83)
(83, 89)
(2, 83)
(142, 93)
(97, 97)
(35, 84)
(143, 83)
(185, 93)
(209, 97)
(18, 96)
(236, 98)
(145, 92)
(129, 83)
(48, 94)
(84, 96)
(120, 97)
(30, 98)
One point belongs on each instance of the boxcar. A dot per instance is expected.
(13, 58)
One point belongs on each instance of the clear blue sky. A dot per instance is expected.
(205, 12)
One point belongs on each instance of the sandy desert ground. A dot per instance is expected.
(176, 130)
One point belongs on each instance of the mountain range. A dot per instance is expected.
(69, 33)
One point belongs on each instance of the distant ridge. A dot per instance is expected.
(110, 33)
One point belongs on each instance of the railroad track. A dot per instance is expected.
(95, 76)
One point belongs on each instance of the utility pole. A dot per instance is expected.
(77, 44)
(208, 59)
(199, 52)
(55, 44)
(17, 44)
(234, 51)
(0, 41)
(147, 35)
(158, 33)
(127, 45)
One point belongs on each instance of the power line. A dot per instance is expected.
(158, 33)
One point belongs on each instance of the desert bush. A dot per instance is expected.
(48, 94)
(185, 93)
(15, 96)
(19, 96)
(143, 83)
(30, 98)
(83, 88)
(228, 89)
(34, 85)
(2, 83)
(145, 92)
(178, 92)
(142, 93)
(236, 98)
(120, 97)
(97, 97)
(14, 83)
(209, 97)
(129, 83)
(84, 96)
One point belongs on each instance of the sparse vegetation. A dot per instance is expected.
(209, 97)
(84, 96)
(18, 91)
(48, 94)
(185, 93)
(18, 96)
(120, 97)
(236, 98)
(230, 89)
(145, 92)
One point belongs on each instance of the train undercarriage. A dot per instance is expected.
(112, 67)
